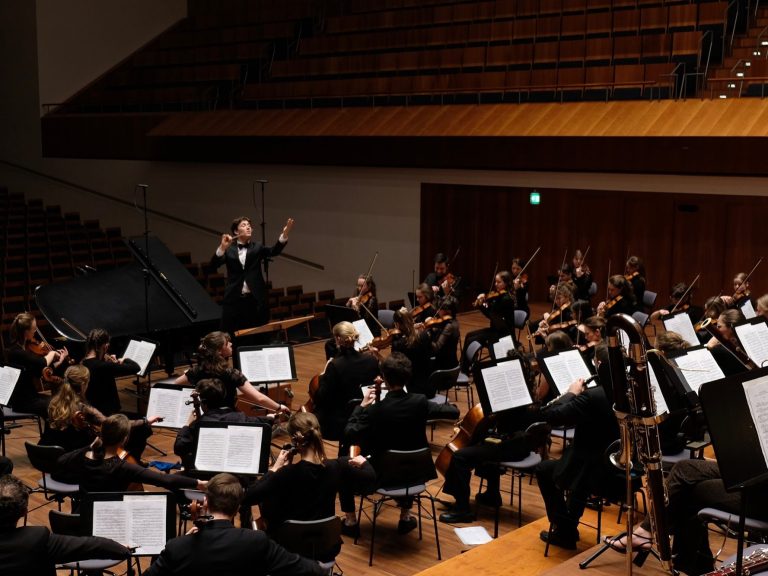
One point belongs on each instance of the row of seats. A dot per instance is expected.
(201, 54)
(595, 24)
(650, 47)
(469, 12)
(170, 75)
(603, 78)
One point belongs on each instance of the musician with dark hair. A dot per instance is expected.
(245, 303)
(27, 550)
(441, 280)
(104, 368)
(217, 547)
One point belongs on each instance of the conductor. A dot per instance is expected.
(245, 303)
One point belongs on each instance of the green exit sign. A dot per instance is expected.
(535, 198)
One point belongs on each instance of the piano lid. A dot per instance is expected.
(114, 299)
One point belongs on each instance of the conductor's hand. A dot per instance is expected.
(287, 228)
(226, 242)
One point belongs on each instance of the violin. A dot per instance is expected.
(314, 386)
(42, 348)
(419, 309)
(610, 304)
(488, 297)
(629, 277)
(437, 321)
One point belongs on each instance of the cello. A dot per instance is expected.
(468, 431)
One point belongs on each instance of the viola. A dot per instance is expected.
(385, 340)
(314, 386)
(47, 376)
(126, 456)
(437, 321)
(468, 431)
(419, 309)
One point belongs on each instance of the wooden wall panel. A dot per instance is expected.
(678, 235)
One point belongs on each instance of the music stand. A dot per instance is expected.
(226, 447)
(338, 314)
(102, 513)
(267, 364)
(276, 326)
(501, 386)
(740, 440)
(562, 368)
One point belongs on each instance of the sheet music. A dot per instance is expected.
(235, 449)
(170, 404)
(503, 346)
(754, 339)
(9, 376)
(267, 364)
(473, 535)
(566, 367)
(506, 386)
(756, 392)
(658, 396)
(748, 310)
(365, 334)
(681, 323)
(141, 352)
(697, 367)
(138, 521)
(382, 393)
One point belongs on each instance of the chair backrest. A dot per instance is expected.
(403, 468)
(443, 379)
(470, 354)
(66, 524)
(43, 458)
(387, 318)
(641, 317)
(315, 539)
(593, 289)
(649, 298)
(521, 316)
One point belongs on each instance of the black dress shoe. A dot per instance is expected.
(352, 530)
(457, 517)
(555, 538)
(492, 499)
(405, 526)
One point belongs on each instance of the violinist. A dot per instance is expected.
(213, 357)
(442, 281)
(581, 276)
(499, 307)
(561, 318)
(634, 272)
(725, 359)
(520, 280)
(339, 384)
(444, 335)
(365, 303)
(74, 423)
(593, 337)
(283, 493)
(564, 275)
(19, 354)
(425, 303)
(101, 466)
(417, 346)
(741, 292)
(403, 415)
(621, 298)
(104, 368)
(211, 395)
(762, 306)
(676, 301)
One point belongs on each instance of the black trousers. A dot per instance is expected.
(563, 510)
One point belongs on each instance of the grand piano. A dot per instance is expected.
(154, 297)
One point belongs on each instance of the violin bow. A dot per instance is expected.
(453, 257)
(682, 298)
(748, 275)
(557, 286)
(526, 264)
(368, 275)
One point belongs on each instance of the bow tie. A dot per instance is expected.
(241, 246)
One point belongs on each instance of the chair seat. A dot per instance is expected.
(531, 461)
(684, 454)
(91, 564)
(439, 399)
(462, 380)
(402, 492)
(11, 414)
(566, 433)
(721, 516)
(58, 487)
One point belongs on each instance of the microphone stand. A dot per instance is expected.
(263, 225)
(146, 268)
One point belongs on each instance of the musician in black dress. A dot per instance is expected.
(499, 307)
(520, 284)
(417, 346)
(25, 397)
(339, 384)
(366, 303)
(724, 357)
(283, 492)
(444, 335)
(104, 368)
(581, 276)
(621, 298)
(245, 303)
(426, 305)
(634, 272)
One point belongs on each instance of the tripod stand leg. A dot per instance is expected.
(156, 449)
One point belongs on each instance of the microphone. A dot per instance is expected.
(262, 181)
(142, 185)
